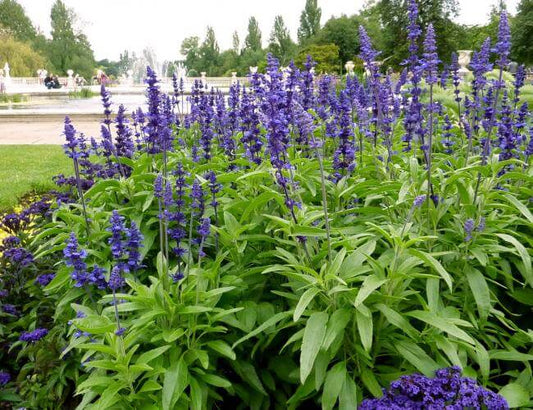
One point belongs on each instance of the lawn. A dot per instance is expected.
(29, 168)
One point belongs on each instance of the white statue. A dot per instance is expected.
(349, 66)
(70, 80)
(464, 60)
(7, 77)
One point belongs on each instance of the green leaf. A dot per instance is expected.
(304, 301)
(270, 322)
(308, 231)
(522, 251)
(397, 320)
(515, 394)
(223, 348)
(150, 355)
(176, 380)
(369, 380)
(321, 367)
(248, 374)
(370, 284)
(520, 206)
(348, 396)
(197, 397)
(110, 395)
(314, 333)
(510, 356)
(417, 357)
(442, 324)
(216, 381)
(364, 326)
(150, 385)
(480, 291)
(333, 385)
(435, 264)
(336, 325)
(95, 324)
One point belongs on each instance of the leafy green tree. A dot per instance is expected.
(394, 17)
(250, 59)
(190, 49)
(252, 42)
(281, 44)
(309, 21)
(236, 43)
(69, 48)
(13, 19)
(522, 33)
(343, 32)
(210, 53)
(23, 60)
(326, 57)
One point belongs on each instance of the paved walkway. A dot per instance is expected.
(39, 130)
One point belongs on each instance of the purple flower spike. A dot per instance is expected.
(469, 227)
(5, 377)
(419, 200)
(431, 59)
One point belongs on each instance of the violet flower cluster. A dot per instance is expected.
(447, 390)
(34, 335)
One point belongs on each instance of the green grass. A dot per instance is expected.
(26, 169)
(82, 93)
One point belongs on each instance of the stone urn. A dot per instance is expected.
(70, 80)
(253, 70)
(234, 77)
(349, 66)
(463, 60)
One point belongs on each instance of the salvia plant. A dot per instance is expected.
(303, 242)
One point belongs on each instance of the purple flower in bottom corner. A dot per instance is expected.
(447, 390)
(5, 377)
(34, 335)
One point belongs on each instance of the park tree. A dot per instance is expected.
(309, 21)
(190, 49)
(14, 21)
(281, 44)
(69, 48)
(23, 60)
(522, 33)
(210, 53)
(394, 18)
(236, 43)
(326, 57)
(252, 42)
(343, 32)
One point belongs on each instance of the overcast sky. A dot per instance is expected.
(115, 25)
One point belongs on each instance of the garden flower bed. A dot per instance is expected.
(302, 243)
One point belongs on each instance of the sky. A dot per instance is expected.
(113, 26)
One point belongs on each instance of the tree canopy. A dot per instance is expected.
(309, 21)
(522, 33)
